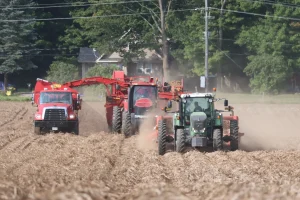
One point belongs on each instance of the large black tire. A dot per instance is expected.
(162, 137)
(117, 120)
(37, 130)
(76, 129)
(126, 124)
(234, 133)
(180, 141)
(217, 140)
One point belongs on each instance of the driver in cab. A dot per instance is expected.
(197, 107)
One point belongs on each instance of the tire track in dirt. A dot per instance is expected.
(99, 165)
(10, 120)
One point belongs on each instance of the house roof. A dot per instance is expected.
(150, 55)
(87, 55)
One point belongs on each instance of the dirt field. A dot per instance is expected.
(97, 165)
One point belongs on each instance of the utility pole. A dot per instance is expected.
(206, 45)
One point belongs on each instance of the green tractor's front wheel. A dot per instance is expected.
(180, 141)
(217, 140)
(162, 137)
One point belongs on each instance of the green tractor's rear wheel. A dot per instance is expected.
(180, 141)
(234, 133)
(126, 124)
(217, 140)
(117, 120)
(162, 137)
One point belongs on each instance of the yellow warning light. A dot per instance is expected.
(214, 89)
(56, 86)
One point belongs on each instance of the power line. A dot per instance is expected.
(273, 3)
(256, 14)
(71, 5)
(90, 17)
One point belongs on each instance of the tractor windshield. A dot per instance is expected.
(56, 97)
(149, 92)
(195, 104)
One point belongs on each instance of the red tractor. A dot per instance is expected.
(128, 100)
(57, 108)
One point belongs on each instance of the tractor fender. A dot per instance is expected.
(230, 118)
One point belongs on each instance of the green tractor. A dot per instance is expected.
(198, 124)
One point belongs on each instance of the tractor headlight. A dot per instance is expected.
(200, 131)
(72, 116)
(38, 116)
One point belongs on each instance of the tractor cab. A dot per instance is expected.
(55, 97)
(142, 98)
(197, 112)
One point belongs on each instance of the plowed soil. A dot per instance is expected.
(99, 165)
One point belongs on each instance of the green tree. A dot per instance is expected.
(16, 37)
(274, 48)
(99, 70)
(268, 73)
(61, 72)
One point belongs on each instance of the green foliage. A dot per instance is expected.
(99, 70)
(16, 38)
(61, 72)
(237, 41)
(268, 73)
(3, 97)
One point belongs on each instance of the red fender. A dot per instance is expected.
(231, 118)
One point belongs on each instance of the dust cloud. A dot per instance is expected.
(99, 165)
(144, 141)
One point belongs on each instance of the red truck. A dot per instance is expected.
(57, 108)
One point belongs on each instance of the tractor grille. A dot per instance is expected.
(198, 125)
(55, 114)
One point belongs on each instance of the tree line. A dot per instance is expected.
(252, 38)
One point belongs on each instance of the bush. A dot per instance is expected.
(61, 72)
(99, 70)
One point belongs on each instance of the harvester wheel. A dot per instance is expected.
(234, 133)
(126, 124)
(117, 120)
(162, 137)
(180, 141)
(217, 140)
(37, 130)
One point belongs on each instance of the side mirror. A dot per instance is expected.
(32, 99)
(169, 104)
(78, 100)
(225, 102)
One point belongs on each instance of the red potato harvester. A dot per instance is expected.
(129, 100)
